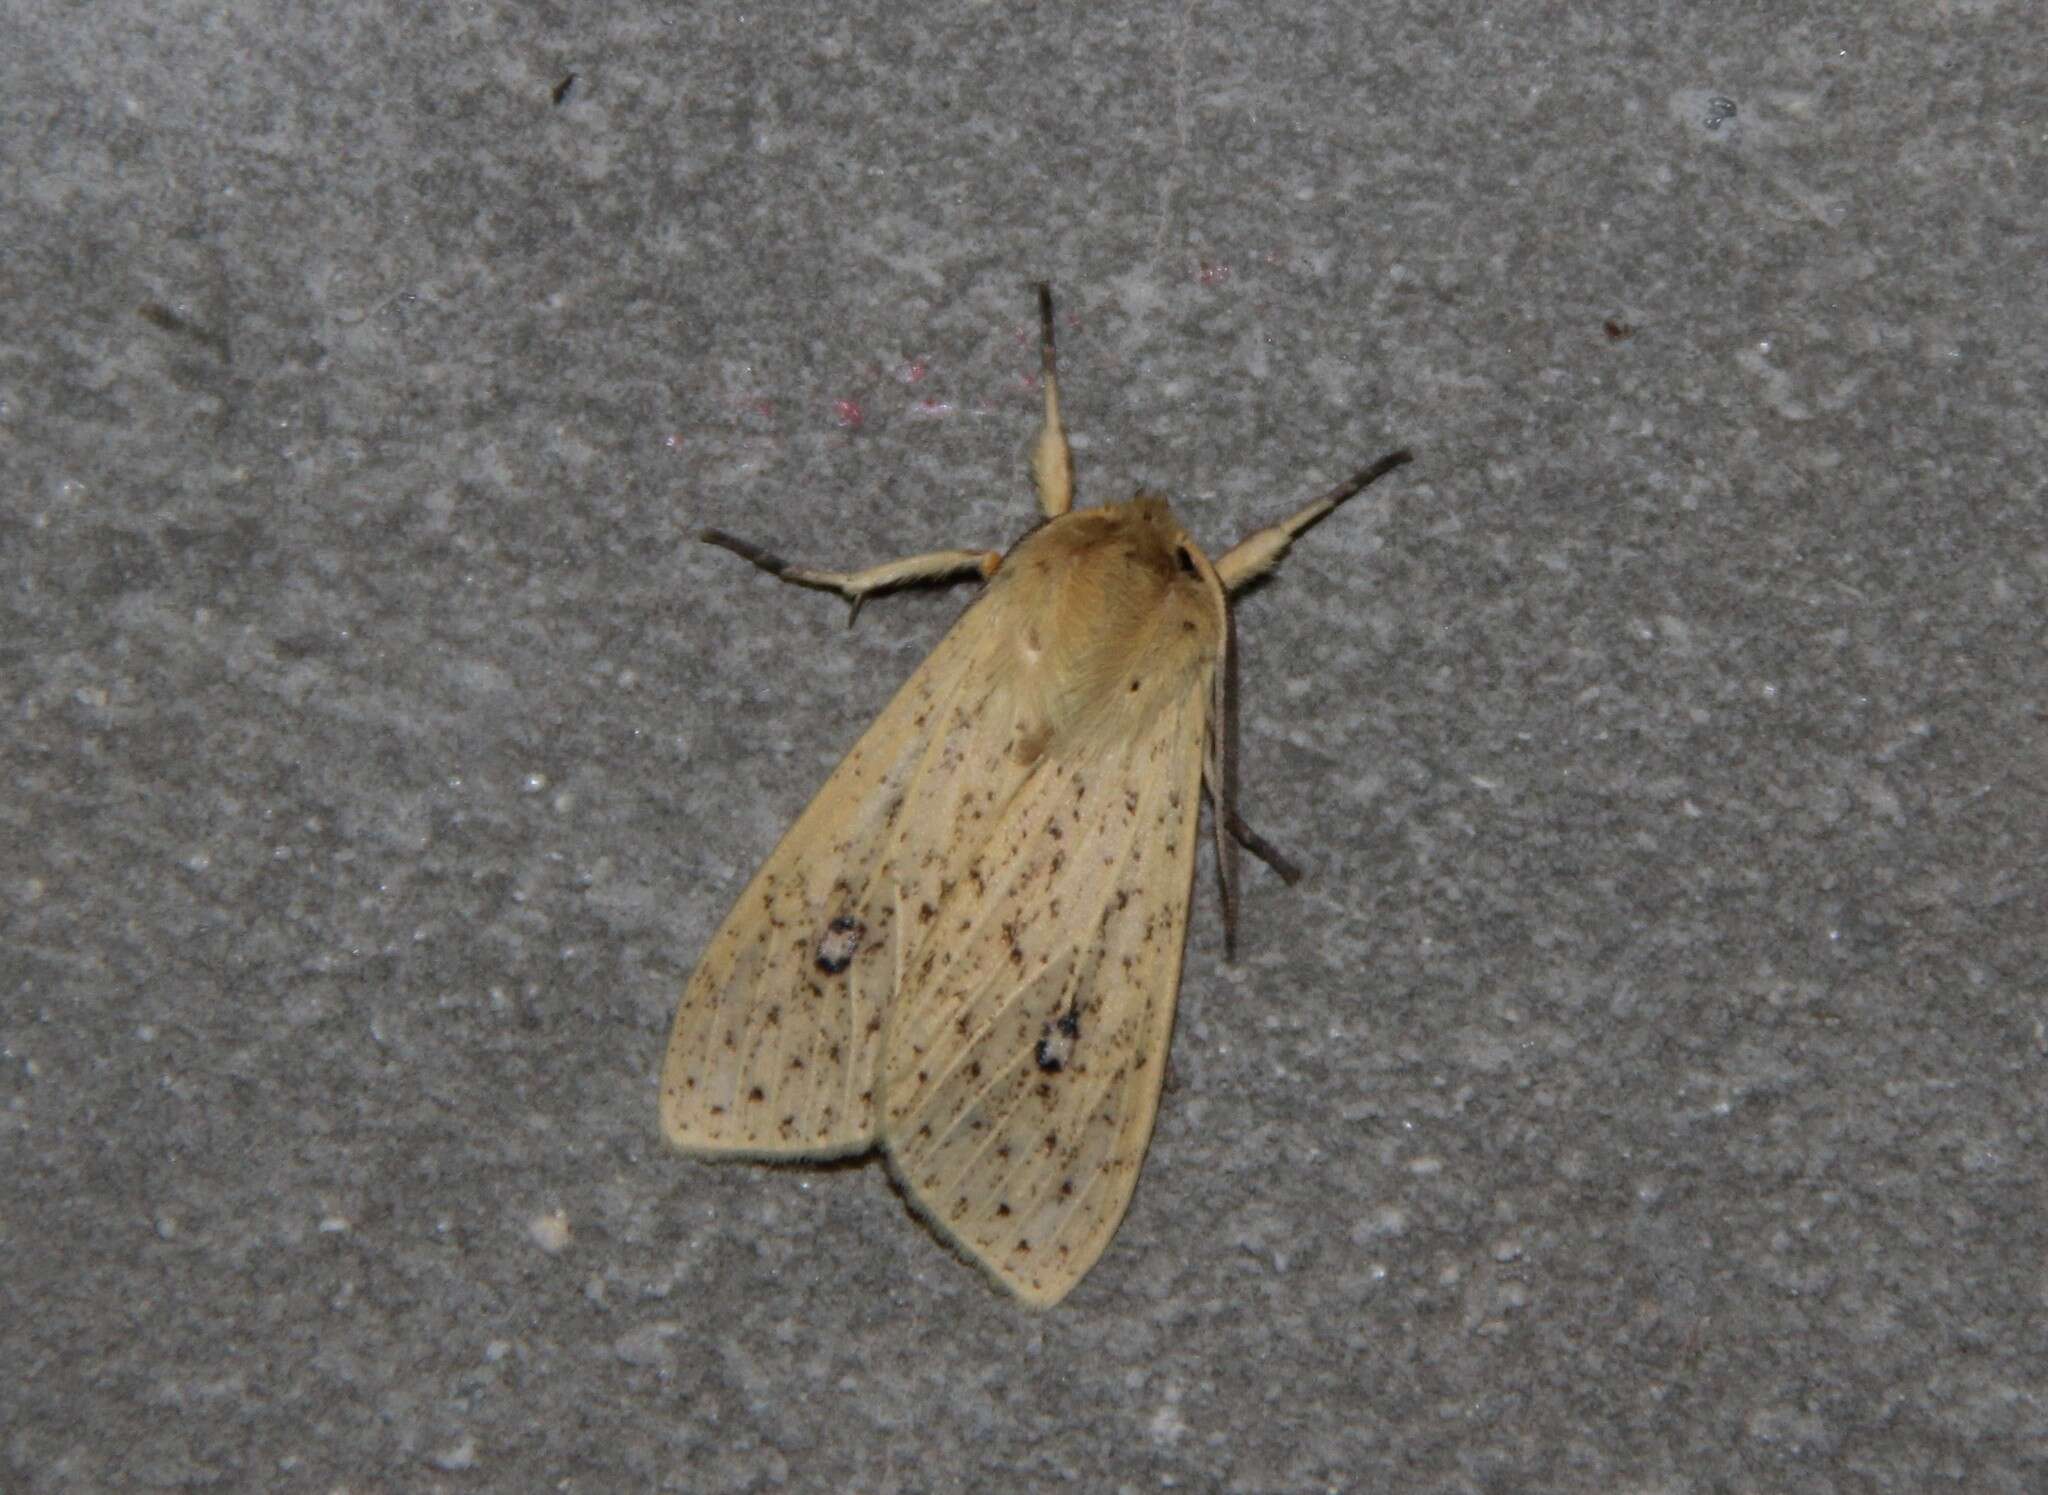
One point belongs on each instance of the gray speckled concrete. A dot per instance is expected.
(1644, 1091)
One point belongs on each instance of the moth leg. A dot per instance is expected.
(1219, 771)
(1259, 552)
(857, 586)
(1231, 832)
(1052, 460)
(1219, 774)
(1260, 847)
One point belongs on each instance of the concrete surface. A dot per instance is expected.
(1644, 1091)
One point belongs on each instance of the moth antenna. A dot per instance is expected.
(1052, 460)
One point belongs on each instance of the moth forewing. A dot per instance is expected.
(1023, 1071)
(1025, 1050)
(776, 1043)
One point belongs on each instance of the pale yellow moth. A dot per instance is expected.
(966, 950)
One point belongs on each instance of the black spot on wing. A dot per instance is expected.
(839, 944)
(1055, 1048)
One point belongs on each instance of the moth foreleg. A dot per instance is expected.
(1259, 552)
(857, 586)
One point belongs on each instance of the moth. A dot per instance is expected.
(965, 952)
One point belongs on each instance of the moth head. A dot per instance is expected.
(1112, 611)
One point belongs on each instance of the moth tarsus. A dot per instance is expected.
(780, 569)
(1287, 871)
(1320, 508)
(773, 564)
(1010, 844)
(1365, 477)
(160, 316)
